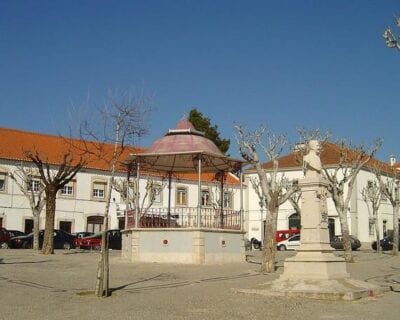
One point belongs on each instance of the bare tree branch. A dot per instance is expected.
(271, 189)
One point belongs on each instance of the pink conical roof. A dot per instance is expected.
(183, 139)
(181, 149)
(184, 124)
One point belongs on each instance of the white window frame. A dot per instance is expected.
(181, 198)
(4, 185)
(98, 193)
(34, 184)
(206, 197)
(156, 197)
(228, 200)
(68, 190)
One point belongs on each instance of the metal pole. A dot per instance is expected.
(199, 195)
(169, 199)
(137, 195)
(241, 200)
(127, 197)
(222, 200)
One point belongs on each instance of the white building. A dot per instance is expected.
(359, 217)
(80, 204)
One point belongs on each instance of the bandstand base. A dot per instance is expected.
(186, 246)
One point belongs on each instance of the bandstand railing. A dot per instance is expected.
(186, 217)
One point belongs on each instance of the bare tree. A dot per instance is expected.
(372, 195)
(127, 194)
(152, 190)
(391, 40)
(121, 120)
(344, 174)
(255, 183)
(390, 188)
(294, 200)
(54, 178)
(35, 196)
(276, 189)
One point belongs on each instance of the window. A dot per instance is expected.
(294, 221)
(68, 189)
(181, 196)
(99, 190)
(2, 181)
(95, 224)
(205, 198)
(384, 228)
(66, 226)
(28, 227)
(228, 201)
(371, 225)
(34, 185)
(156, 194)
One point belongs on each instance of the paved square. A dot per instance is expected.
(33, 286)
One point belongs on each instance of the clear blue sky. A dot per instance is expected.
(281, 63)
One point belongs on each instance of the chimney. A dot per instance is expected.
(392, 160)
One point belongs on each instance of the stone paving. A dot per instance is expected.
(33, 286)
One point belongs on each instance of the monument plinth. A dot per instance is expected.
(315, 271)
(314, 258)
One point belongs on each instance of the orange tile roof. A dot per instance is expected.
(14, 144)
(330, 156)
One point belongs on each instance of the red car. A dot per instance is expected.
(4, 238)
(282, 235)
(94, 241)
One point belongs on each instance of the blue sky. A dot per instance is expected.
(285, 64)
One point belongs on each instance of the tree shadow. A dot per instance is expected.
(111, 290)
(24, 262)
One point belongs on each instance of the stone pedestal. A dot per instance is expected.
(314, 258)
(315, 272)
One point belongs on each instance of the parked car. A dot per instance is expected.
(282, 235)
(62, 240)
(337, 243)
(6, 235)
(16, 233)
(386, 243)
(4, 238)
(82, 234)
(94, 241)
(291, 243)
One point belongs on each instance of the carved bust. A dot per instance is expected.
(311, 161)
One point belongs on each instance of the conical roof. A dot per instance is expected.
(180, 151)
(184, 138)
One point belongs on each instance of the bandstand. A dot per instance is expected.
(195, 235)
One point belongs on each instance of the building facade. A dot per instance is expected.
(359, 216)
(81, 203)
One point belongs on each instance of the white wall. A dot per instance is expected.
(14, 207)
(358, 217)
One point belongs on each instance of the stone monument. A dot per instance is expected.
(315, 271)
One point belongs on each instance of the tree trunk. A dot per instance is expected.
(377, 236)
(396, 230)
(48, 241)
(36, 230)
(348, 254)
(102, 283)
(269, 252)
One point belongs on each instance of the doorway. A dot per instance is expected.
(28, 227)
(66, 226)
